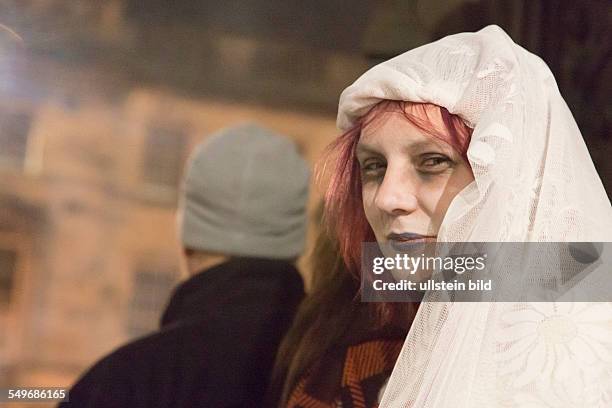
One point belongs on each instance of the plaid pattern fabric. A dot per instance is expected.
(366, 367)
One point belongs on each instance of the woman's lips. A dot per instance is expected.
(410, 237)
(408, 240)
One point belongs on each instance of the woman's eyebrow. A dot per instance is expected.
(421, 145)
(412, 147)
(364, 148)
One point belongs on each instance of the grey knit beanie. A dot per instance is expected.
(244, 194)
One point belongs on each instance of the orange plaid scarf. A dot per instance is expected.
(366, 367)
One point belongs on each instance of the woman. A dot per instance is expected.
(335, 339)
(467, 139)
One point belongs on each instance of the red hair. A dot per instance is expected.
(343, 202)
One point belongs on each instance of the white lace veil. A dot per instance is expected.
(534, 181)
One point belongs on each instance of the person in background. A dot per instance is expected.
(241, 221)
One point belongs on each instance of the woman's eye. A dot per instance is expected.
(436, 162)
(370, 167)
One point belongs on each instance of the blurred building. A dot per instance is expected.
(88, 250)
(90, 161)
(102, 101)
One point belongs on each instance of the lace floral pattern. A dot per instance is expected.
(556, 353)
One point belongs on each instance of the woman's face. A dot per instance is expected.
(409, 179)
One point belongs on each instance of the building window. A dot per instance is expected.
(8, 262)
(14, 131)
(150, 293)
(164, 155)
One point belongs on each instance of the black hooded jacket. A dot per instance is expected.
(215, 348)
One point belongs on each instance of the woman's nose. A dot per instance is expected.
(397, 194)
